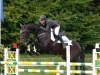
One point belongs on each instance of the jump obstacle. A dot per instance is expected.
(11, 64)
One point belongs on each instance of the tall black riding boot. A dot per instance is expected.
(63, 44)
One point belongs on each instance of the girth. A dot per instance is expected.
(52, 46)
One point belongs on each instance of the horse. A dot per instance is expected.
(43, 38)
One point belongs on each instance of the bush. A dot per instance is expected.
(1, 56)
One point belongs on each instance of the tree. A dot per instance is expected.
(79, 18)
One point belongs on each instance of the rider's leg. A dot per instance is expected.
(60, 38)
(56, 31)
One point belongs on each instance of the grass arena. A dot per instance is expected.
(44, 65)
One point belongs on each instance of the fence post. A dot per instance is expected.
(5, 59)
(12, 56)
(17, 60)
(94, 58)
(58, 68)
(68, 57)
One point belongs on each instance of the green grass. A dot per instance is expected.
(48, 58)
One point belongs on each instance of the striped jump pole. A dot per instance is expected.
(54, 71)
(11, 63)
(44, 63)
(42, 71)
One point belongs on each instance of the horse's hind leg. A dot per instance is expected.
(81, 67)
(76, 68)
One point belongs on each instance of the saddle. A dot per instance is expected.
(62, 33)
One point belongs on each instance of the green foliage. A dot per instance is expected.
(79, 18)
(1, 52)
(1, 55)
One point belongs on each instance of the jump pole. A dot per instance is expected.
(67, 62)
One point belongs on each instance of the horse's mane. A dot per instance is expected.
(32, 26)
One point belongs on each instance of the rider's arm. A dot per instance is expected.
(47, 27)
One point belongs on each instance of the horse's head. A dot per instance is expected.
(24, 33)
(26, 30)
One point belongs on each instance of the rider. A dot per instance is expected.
(46, 24)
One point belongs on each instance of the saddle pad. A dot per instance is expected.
(63, 37)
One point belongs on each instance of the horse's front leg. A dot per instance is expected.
(29, 50)
(35, 50)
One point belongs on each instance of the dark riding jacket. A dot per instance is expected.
(49, 24)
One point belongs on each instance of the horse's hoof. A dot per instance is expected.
(30, 53)
(37, 53)
(76, 74)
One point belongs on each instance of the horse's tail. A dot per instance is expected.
(82, 56)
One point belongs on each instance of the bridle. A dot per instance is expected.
(25, 33)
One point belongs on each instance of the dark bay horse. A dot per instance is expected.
(43, 38)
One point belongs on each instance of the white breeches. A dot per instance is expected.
(56, 30)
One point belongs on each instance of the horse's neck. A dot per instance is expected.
(32, 27)
(40, 32)
(44, 35)
(30, 31)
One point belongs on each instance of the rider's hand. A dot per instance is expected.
(40, 26)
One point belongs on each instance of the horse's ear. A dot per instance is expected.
(21, 25)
